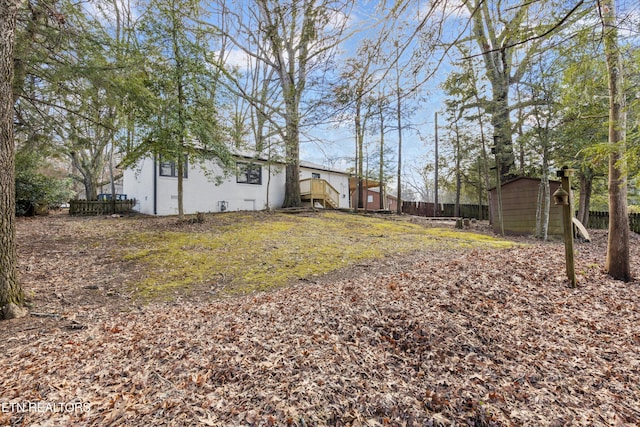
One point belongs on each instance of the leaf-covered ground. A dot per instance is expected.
(471, 336)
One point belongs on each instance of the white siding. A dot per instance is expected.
(138, 184)
(201, 194)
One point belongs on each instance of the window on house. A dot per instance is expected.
(315, 175)
(249, 173)
(170, 168)
(370, 198)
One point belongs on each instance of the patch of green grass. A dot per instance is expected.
(259, 253)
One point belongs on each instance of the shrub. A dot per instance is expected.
(36, 190)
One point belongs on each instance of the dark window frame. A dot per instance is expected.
(248, 173)
(169, 168)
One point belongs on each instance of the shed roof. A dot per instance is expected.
(520, 178)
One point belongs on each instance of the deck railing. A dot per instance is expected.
(320, 190)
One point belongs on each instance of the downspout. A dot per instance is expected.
(155, 186)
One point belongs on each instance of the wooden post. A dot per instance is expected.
(567, 223)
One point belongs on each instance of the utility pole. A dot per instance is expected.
(399, 119)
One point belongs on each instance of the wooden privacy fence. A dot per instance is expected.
(597, 220)
(100, 207)
(600, 221)
(446, 210)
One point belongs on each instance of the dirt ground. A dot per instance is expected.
(439, 337)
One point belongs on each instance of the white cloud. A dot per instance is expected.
(447, 8)
(105, 11)
(237, 59)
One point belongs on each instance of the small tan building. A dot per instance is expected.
(519, 201)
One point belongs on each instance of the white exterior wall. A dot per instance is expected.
(138, 184)
(200, 192)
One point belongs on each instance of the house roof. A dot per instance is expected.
(316, 166)
(248, 154)
(368, 183)
(251, 155)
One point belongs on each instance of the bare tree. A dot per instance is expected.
(296, 39)
(354, 100)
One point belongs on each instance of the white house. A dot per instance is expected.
(255, 185)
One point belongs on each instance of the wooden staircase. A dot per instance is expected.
(318, 190)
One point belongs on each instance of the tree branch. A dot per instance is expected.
(559, 24)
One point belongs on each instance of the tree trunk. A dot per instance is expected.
(399, 193)
(360, 147)
(502, 130)
(356, 191)
(399, 120)
(112, 179)
(542, 211)
(586, 188)
(498, 66)
(90, 186)
(617, 261)
(381, 171)
(484, 159)
(547, 208)
(456, 208)
(89, 169)
(292, 170)
(520, 136)
(11, 294)
(292, 186)
(544, 198)
(180, 173)
(539, 207)
(480, 190)
(182, 126)
(292, 142)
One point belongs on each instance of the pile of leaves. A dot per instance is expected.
(480, 337)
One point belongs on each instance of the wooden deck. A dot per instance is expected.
(320, 191)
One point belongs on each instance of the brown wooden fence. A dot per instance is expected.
(446, 210)
(600, 221)
(597, 220)
(100, 207)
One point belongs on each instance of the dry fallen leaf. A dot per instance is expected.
(476, 337)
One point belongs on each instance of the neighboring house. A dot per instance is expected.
(372, 195)
(256, 185)
(519, 202)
